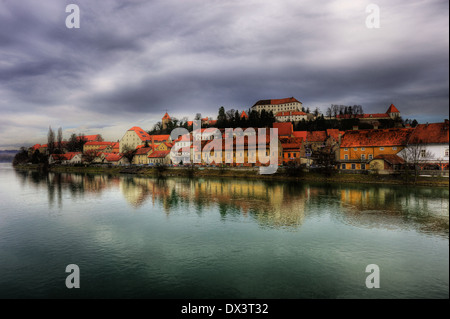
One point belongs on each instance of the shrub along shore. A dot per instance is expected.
(282, 174)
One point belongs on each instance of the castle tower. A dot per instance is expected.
(165, 121)
(393, 112)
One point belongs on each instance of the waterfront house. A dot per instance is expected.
(159, 158)
(97, 146)
(69, 158)
(116, 159)
(293, 150)
(141, 155)
(386, 163)
(431, 141)
(359, 147)
(134, 137)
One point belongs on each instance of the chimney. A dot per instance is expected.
(355, 127)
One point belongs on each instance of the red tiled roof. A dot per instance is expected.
(144, 136)
(334, 133)
(316, 136)
(36, 146)
(392, 159)
(284, 129)
(113, 157)
(67, 157)
(291, 146)
(392, 109)
(288, 113)
(89, 138)
(243, 114)
(385, 137)
(212, 122)
(277, 101)
(159, 154)
(301, 134)
(143, 150)
(159, 138)
(166, 117)
(434, 133)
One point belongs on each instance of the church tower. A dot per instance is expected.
(393, 112)
(165, 121)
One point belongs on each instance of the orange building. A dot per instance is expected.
(359, 147)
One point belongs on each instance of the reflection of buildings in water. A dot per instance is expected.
(266, 203)
(77, 185)
(135, 190)
(387, 208)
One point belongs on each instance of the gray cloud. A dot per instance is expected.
(134, 59)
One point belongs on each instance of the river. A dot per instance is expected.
(141, 237)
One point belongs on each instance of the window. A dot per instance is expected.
(446, 153)
(343, 166)
(355, 148)
(353, 166)
(370, 156)
(423, 153)
(363, 156)
(363, 166)
(381, 148)
(346, 157)
(363, 149)
(346, 149)
(289, 155)
(394, 148)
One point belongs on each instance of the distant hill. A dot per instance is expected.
(7, 156)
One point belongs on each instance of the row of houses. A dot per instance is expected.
(355, 150)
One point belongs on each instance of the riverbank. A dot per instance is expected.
(243, 173)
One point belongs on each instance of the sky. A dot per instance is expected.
(130, 61)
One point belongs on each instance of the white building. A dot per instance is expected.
(432, 143)
(278, 105)
(134, 137)
(291, 116)
(65, 159)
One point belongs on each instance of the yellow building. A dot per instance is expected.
(359, 147)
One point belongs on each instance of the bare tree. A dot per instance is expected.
(128, 152)
(90, 155)
(415, 156)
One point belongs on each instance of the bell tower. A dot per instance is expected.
(165, 121)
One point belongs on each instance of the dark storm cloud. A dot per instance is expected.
(136, 59)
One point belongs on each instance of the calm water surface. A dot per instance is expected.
(136, 237)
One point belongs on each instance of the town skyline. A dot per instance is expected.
(130, 62)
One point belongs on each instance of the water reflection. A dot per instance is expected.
(271, 204)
